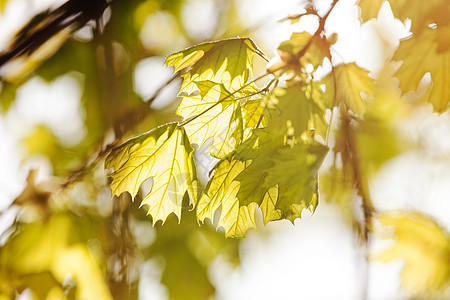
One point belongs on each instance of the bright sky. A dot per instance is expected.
(316, 258)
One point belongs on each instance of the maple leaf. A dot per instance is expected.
(421, 13)
(262, 172)
(424, 246)
(228, 62)
(221, 123)
(163, 154)
(300, 106)
(275, 168)
(345, 83)
(420, 55)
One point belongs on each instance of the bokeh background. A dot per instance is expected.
(59, 108)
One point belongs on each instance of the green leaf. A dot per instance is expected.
(222, 123)
(297, 107)
(226, 61)
(421, 55)
(265, 172)
(275, 168)
(163, 154)
(7, 95)
(187, 251)
(377, 135)
(423, 245)
(345, 83)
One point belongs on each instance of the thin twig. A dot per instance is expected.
(361, 186)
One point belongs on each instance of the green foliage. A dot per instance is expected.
(256, 173)
(187, 250)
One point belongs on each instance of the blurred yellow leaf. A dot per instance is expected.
(421, 54)
(421, 13)
(77, 262)
(44, 254)
(423, 245)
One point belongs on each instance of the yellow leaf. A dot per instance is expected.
(163, 154)
(421, 13)
(269, 204)
(226, 61)
(40, 256)
(77, 262)
(369, 8)
(221, 123)
(423, 245)
(345, 84)
(421, 55)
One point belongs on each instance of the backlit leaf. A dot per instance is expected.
(275, 168)
(421, 55)
(264, 172)
(423, 245)
(421, 13)
(346, 83)
(299, 106)
(222, 123)
(226, 61)
(163, 154)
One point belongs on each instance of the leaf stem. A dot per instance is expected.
(275, 80)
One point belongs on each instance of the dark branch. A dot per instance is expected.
(73, 14)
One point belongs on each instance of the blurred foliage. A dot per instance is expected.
(425, 248)
(70, 240)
